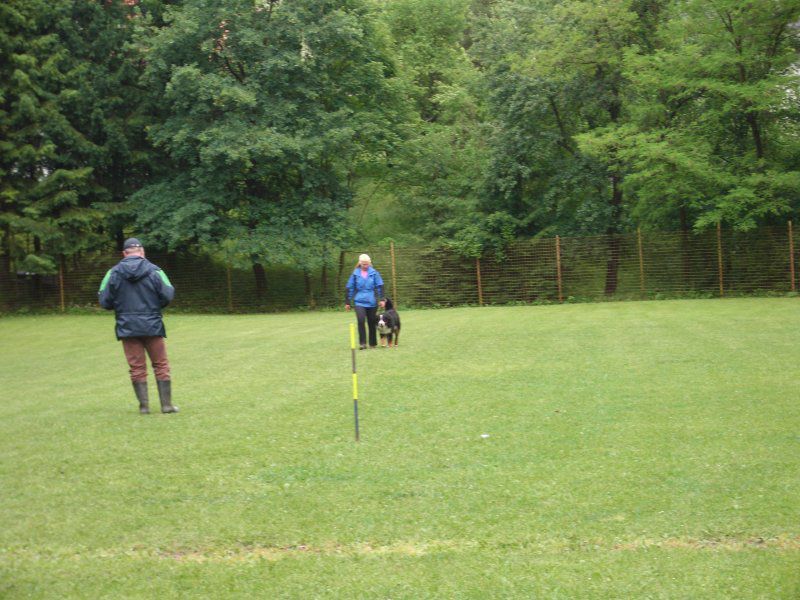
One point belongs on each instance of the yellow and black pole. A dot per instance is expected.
(355, 375)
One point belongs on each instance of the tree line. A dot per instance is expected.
(249, 129)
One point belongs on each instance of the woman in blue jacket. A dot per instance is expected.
(365, 290)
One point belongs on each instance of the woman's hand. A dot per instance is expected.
(347, 307)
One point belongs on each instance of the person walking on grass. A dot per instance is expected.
(365, 288)
(136, 290)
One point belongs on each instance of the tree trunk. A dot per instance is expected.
(324, 282)
(612, 232)
(686, 263)
(309, 295)
(612, 266)
(6, 277)
(261, 281)
(755, 129)
(37, 278)
(341, 269)
(62, 281)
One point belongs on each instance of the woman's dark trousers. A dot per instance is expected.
(368, 314)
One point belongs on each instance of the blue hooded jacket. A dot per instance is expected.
(136, 290)
(364, 289)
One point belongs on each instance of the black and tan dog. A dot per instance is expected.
(389, 325)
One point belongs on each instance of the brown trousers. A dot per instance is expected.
(135, 347)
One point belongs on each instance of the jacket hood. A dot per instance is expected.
(134, 268)
(370, 269)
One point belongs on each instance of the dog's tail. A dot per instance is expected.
(389, 304)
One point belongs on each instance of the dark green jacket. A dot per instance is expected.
(136, 290)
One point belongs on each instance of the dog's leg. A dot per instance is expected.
(396, 337)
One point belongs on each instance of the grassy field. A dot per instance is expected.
(634, 450)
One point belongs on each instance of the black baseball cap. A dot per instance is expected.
(132, 243)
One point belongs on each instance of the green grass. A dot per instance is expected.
(646, 450)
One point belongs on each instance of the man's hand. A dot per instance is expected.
(382, 303)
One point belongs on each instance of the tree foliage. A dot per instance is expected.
(244, 127)
(62, 123)
(716, 120)
(268, 110)
(438, 171)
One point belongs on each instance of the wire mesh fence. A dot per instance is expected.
(637, 265)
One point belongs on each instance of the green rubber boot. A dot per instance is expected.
(140, 387)
(165, 395)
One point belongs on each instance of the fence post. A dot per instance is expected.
(558, 269)
(394, 273)
(480, 286)
(61, 283)
(230, 287)
(641, 259)
(719, 259)
(791, 255)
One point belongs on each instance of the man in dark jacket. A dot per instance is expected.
(137, 290)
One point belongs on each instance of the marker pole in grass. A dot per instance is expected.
(355, 376)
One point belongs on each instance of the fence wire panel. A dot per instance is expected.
(434, 277)
(680, 263)
(756, 261)
(633, 265)
(600, 266)
(527, 273)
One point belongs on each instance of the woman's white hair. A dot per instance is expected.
(365, 258)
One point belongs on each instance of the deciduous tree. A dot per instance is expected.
(268, 108)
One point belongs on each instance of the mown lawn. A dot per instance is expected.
(620, 450)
